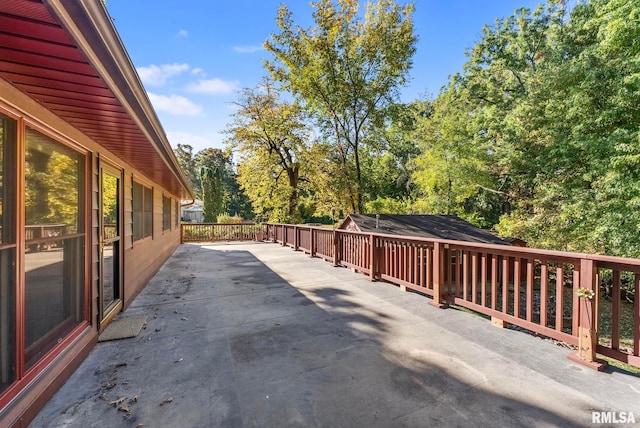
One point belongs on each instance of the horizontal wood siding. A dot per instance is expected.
(140, 262)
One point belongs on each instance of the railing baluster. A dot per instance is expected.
(494, 282)
(474, 277)
(559, 296)
(483, 272)
(505, 284)
(465, 274)
(636, 317)
(516, 287)
(530, 289)
(615, 310)
(575, 322)
(544, 285)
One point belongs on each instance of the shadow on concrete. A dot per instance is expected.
(231, 342)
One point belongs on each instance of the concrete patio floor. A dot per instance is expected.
(257, 335)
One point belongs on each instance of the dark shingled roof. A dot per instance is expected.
(426, 226)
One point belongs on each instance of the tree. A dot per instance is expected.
(543, 123)
(582, 115)
(476, 162)
(451, 172)
(211, 168)
(347, 71)
(390, 168)
(187, 161)
(236, 201)
(270, 137)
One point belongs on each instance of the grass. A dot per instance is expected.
(631, 370)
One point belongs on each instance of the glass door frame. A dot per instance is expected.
(106, 313)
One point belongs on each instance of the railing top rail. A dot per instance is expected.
(625, 263)
(220, 224)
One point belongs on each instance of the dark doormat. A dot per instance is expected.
(123, 328)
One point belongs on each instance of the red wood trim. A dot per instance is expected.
(544, 291)
(636, 317)
(615, 311)
(516, 286)
(529, 305)
(549, 332)
(505, 285)
(559, 296)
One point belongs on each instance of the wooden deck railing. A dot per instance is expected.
(212, 232)
(530, 288)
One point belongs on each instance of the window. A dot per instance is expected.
(166, 213)
(142, 205)
(54, 234)
(177, 218)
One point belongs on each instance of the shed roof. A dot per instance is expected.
(68, 56)
(427, 226)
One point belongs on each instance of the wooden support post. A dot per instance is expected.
(438, 276)
(336, 256)
(312, 242)
(296, 232)
(587, 322)
(498, 322)
(373, 260)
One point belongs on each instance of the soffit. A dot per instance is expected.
(79, 70)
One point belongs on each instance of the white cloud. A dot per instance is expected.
(197, 70)
(248, 48)
(155, 75)
(183, 33)
(213, 86)
(175, 105)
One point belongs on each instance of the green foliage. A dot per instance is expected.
(270, 137)
(347, 71)
(187, 161)
(539, 133)
(211, 169)
(229, 219)
(226, 193)
(538, 136)
(388, 206)
(52, 176)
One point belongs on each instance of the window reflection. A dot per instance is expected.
(109, 275)
(54, 263)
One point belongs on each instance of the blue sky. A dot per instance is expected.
(193, 56)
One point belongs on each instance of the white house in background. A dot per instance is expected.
(193, 213)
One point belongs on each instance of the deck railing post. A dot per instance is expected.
(586, 313)
(296, 232)
(336, 256)
(312, 242)
(438, 276)
(373, 260)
